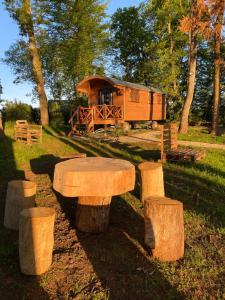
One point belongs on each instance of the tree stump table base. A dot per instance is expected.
(92, 214)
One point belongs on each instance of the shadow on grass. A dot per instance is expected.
(197, 193)
(118, 258)
(14, 285)
(120, 261)
(114, 149)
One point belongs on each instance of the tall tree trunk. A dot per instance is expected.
(174, 82)
(217, 62)
(191, 80)
(37, 67)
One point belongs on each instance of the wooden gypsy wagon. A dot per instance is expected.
(112, 101)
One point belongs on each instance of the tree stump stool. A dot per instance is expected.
(94, 180)
(20, 195)
(36, 239)
(164, 228)
(152, 183)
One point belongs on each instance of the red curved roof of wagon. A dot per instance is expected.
(114, 81)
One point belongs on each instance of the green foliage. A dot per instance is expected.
(129, 38)
(17, 11)
(18, 58)
(18, 111)
(149, 47)
(170, 42)
(145, 46)
(71, 38)
(59, 112)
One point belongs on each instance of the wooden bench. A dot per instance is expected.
(26, 132)
(170, 150)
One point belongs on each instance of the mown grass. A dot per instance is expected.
(201, 134)
(115, 265)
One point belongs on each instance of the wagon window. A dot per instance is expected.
(134, 96)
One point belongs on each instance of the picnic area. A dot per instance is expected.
(112, 150)
(115, 264)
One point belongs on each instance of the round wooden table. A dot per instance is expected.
(94, 180)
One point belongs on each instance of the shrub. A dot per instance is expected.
(18, 111)
(59, 112)
(36, 116)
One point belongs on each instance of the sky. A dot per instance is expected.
(9, 34)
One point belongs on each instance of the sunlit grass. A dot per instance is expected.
(201, 134)
(200, 186)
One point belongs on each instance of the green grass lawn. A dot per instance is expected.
(115, 264)
(201, 134)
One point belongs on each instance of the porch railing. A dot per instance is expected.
(85, 115)
(108, 112)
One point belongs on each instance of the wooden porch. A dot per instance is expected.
(95, 115)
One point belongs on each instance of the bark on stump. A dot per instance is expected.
(92, 214)
(36, 239)
(152, 183)
(164, 228)
(20, 195)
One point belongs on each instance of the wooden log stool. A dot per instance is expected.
(36, 239)
(164, 228)
(152, 183)
(94, 180)
(20, 195)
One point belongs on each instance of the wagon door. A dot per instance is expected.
(105, 97)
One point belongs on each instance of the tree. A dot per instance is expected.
(217, 11)
(170, 49)
(201, 108)
(195, 24)
(20, 10)
(71, 37)
(128, 41)
(77, 38)
(149, 48)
